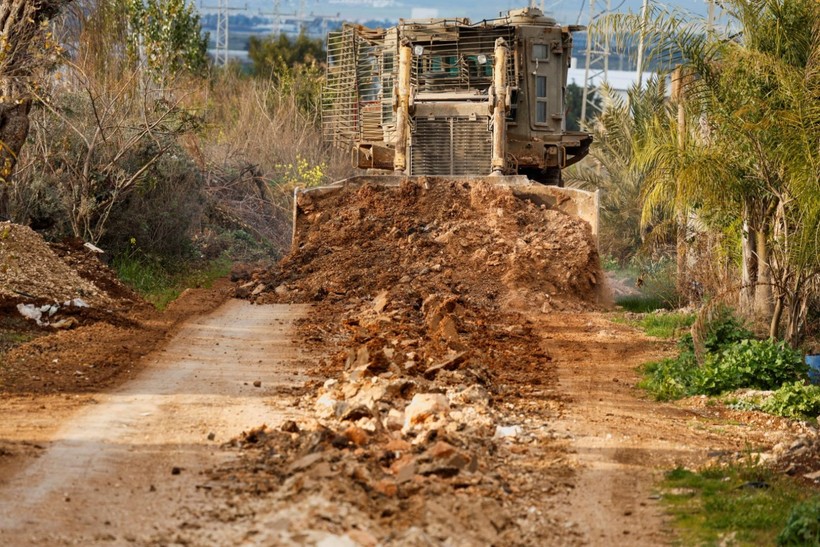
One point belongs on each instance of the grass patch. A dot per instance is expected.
(741, 505)
(161, 284)
(661, 325)
(640, 303)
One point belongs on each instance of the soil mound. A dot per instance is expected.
(88, 266)
(30, 269)
(476, 240)
(410, 429)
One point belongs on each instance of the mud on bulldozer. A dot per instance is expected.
(447, 99)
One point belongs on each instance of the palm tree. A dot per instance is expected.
(620, 136)
(747, 143)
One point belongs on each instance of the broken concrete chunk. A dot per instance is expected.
(328, 406)
(259, 288)
(503, 432)
(425, 407)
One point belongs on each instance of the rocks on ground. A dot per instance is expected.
(416, 432)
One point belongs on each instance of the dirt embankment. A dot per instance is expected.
(476, 241)
(83, 332)
(67, 324)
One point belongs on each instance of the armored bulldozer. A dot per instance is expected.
(447, 98)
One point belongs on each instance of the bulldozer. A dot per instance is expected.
(447, 99)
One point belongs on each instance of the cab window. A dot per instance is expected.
(540, 99)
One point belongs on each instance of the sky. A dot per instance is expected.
(565, 11)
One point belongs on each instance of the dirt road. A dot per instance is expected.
(621, 441)
(133, 466)
(126, 467)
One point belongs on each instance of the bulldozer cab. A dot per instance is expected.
(449, 97)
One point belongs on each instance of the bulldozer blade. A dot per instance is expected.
(571, 201)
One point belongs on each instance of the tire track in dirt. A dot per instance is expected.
(620, 440)
(128, 467)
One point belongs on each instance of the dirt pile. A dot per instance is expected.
(66, 322)
(410, 440)
(420, 427)
(31, 270)
(476, 240)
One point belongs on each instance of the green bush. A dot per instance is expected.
(162, 212)
(803, 526)
(680, 376)
(671, 379)
(794, 400)
(724, 329)
(759, 364)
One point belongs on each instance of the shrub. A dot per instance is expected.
(670, 378)
(759, 364)
(724, 329)
(794, 400)
(161, 213)
(803, 526)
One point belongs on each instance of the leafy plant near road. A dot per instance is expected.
(803, 526)
(741, 505)
(794, 400)
(758, 364)
(733, 360)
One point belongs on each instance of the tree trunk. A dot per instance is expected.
(764, 304)
(775, 322)
(748, 268)
(681, 260)
(14, 126)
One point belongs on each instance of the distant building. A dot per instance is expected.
(619, 80)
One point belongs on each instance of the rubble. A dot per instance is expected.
(418, 298)
(475, 241)
(31, 270)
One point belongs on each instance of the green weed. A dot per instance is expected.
(661, 325)
(794, 400)
(803, 526)
(161, 284)
(641, 303)
(747, 503)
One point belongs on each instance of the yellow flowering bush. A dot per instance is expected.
(301, 173)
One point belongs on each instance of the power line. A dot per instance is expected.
(596, 70)
(222, 29)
